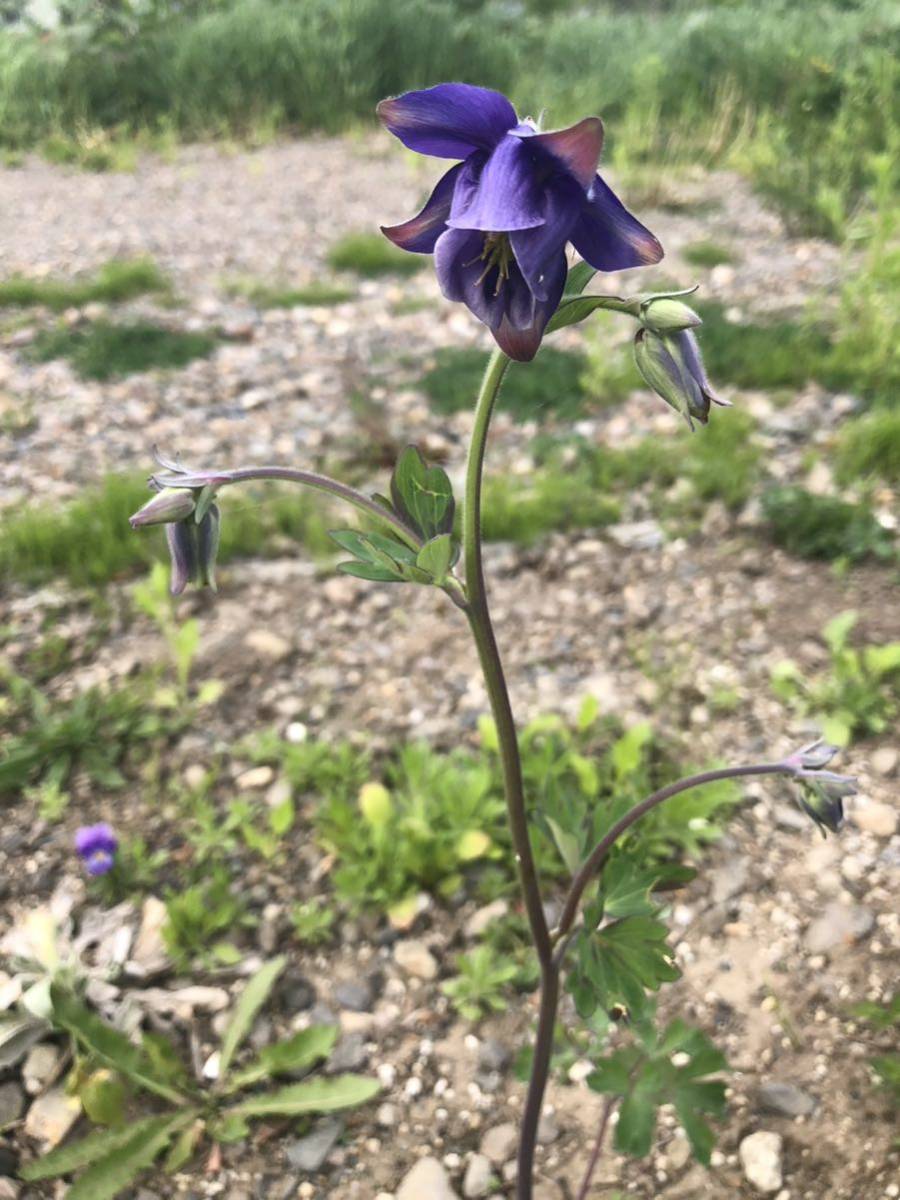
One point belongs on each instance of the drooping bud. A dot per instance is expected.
(822, 797)
(666, 315)
(672, 367)
(167, 505)
(208, 532)
(813, 757)
(193, 549)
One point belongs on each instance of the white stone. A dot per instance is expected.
(416, 959)
(479, 1178)
(880, 819)
(267, 644)
(426, 1181)
(499, 1143)
(485, 916)
(52, 1116)
(760, 1156)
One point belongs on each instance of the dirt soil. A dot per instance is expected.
(782, 932)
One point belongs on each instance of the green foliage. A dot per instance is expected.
(869, 448)
(859, 693)
(313, 922)
(866, 354)
(670, 1066)
(113, 1159)
(117, 280)
(722, 462)
(51, 739)
(268, 295)
(89, 541)
(522, 509)
(550, 388)
(102, 350)
(779, 353)
(182, 638)
(198, 914)
(437, 816)
(707, 254)
(824, 527)
(372, 255)
(616, 963)
(424, 819)
(884, 1019)
(481, 986)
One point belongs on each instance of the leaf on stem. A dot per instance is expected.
(422, 494)
(250, 1001)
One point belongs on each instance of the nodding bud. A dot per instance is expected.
(665, 315)
(812, 757)
(192, 550)
(672, 366)
(167, 505)
(823, 797)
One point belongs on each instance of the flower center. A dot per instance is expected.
(496, 252)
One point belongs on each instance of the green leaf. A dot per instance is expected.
(626, 888)
(103, 1095)
(294, 1054)
(435, 556)
(183, 1147)
(637, 1122)
(66, 1159)
(570, 312)
(110, 1175)
(579, 276)
(311, 1096)
(837, 631)
(422, 494)
(250, 1001)
(110, 1046)
(619, 963)
(627, 753)
(568, 845)
(369, 571)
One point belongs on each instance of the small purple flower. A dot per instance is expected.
(96, 846)
(193, 544)
(498, 222)
(822, 792)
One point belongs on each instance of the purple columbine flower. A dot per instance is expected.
(97, 846)
(499, 221)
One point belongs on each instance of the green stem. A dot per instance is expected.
(507, 737)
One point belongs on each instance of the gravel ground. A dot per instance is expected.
(777, 939)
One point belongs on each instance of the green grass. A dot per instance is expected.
(103, 350)
(524, 509)
(89, 541)
(780, 353)
(707, 254)
(869, 448)
(723, 462)
(824, 527)
(372, 255)
(118, 280)
(550, 388)
(265, 295)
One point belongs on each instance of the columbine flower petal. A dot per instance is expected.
(609, 237)
(182, 541)
(420, 234)
(523, 342)
(507, 195)
(576, 148)
(450, 120)
(537, 249)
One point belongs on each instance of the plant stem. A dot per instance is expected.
(595, 859)
(598, 1147)
(507, 737)
(322, 483)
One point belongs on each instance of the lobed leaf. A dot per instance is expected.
(294, 1054)
(422, 494)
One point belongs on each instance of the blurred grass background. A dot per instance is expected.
(800, 94)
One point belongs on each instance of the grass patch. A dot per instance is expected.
(550, 388)
(103, 350)
(723, 461)
(265, 295)
(522, 509)
(371, 255)
(771, 354)
(89, 541)
(118, 280)
(824, 527)
(707, 254)
(869, 447)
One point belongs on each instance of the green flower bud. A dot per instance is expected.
(672, 366)
(665, 315)
(167, 505)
